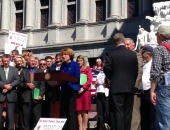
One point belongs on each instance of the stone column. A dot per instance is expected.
(115, 9)
(30, 14)
(84, 10)
(5, 19)
(56, 13)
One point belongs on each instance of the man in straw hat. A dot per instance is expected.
(160, 93)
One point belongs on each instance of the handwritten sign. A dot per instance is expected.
(17, 39)
(50, 124)
(9, 48)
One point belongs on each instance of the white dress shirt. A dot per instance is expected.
(146, 84)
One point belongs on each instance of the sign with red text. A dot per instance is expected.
(50, 124)
(17, 39)
(10, 47)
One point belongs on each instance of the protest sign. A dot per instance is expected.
(50, 124)
(17, 39)
(10, 47)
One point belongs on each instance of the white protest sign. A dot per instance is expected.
(50, 124)
(10, 47)
(17, 39)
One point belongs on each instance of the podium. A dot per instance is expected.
(54, 79)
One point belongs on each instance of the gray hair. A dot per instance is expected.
(130, 39)
(118, 38)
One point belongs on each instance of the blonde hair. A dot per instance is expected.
(98, 60)
(22, 59)
(84, 61)
(24, 53)
(68, 51)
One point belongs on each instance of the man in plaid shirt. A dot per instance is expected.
(160, 94)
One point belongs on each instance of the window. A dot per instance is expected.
(19, 21)
(19, 5)
(132, 8)
(100, 10)
(71, 0)
(44, 18)
(44, 13)
(19, 15)
(44, 2)
(71, 13)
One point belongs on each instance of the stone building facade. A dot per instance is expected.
(87, 26)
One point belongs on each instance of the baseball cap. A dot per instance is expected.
(147, 49)
(164, 30)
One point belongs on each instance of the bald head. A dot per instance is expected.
(31, 62)
(129, 44)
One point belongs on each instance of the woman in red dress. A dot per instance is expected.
(83, 101)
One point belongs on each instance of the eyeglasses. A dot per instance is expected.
(43, 64)
(143, 52)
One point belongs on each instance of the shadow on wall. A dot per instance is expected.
(46, 38)
(104, 32)
(74, 35)
(129, 28)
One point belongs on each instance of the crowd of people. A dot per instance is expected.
(130, 87)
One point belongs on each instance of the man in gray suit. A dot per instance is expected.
(28, 99)
(9, 80)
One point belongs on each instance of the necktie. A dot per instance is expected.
(31, 76)
(6, 73)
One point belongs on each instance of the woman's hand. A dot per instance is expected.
(81, 91)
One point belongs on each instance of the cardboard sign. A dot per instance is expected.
(17, 39)
(50, 124)
(9, 48)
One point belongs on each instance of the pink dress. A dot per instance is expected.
(83, 101)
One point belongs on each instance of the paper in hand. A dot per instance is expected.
(167, 78)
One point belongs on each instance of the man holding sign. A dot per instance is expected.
(32, 95)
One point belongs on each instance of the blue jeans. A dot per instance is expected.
(163, 106)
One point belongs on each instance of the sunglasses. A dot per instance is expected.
(43, 64)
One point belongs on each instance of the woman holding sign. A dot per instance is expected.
(83, 101)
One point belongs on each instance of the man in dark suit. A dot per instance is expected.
(29, 100)
(9, 80)
(121, 67)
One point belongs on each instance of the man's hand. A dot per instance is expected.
(4, 91)
(153, 94)
(30, 85)
(8, 87)
(153, 98)
(39, 98)
(96, 82)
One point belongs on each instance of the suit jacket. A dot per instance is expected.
(27, 93)
(140, 70)
(13, 80)
(121, 67)
(73, 69)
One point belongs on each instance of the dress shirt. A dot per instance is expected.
(146, 75)
(100, 86)
(6, 69)
(57, 67)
